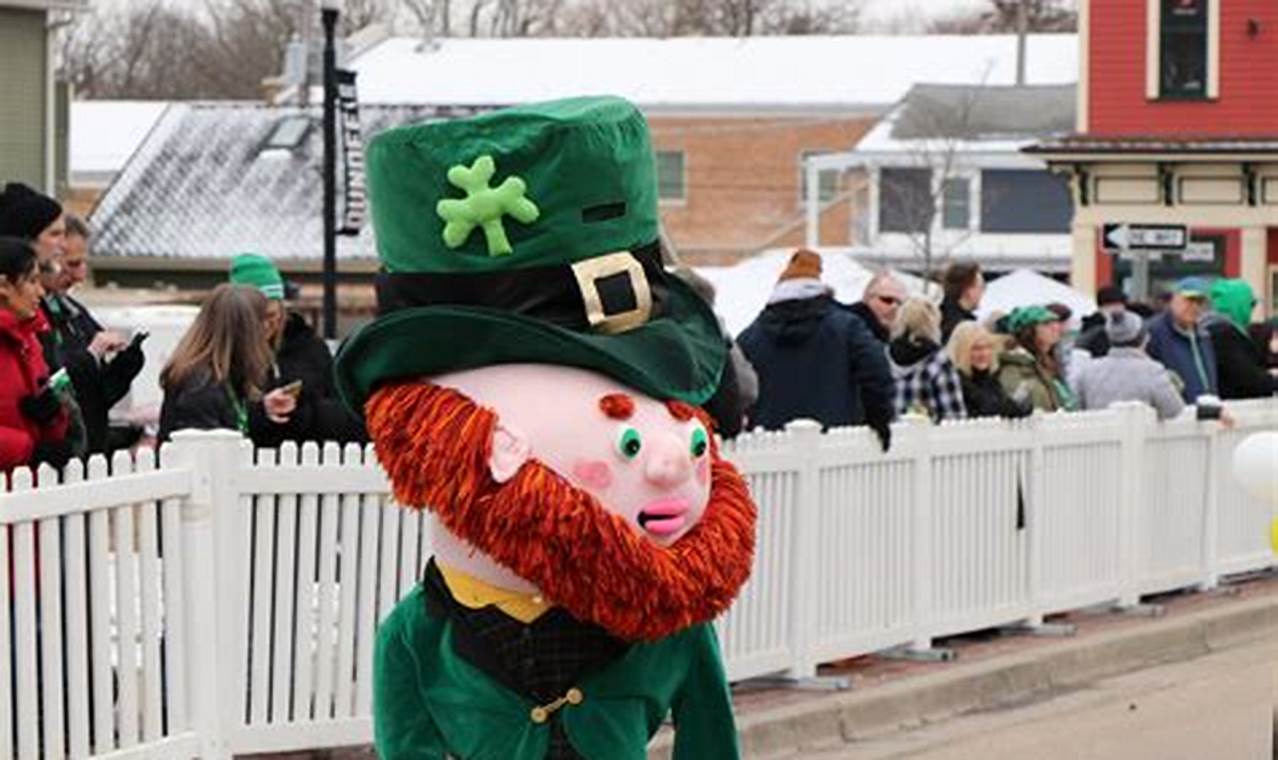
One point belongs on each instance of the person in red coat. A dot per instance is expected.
(33, 416)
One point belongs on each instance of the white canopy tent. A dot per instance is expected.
(1025, 287)
(742, 290)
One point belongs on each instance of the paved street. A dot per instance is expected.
(1218, 707)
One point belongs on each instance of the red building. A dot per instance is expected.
(1177, 124)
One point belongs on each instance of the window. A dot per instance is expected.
(1183, 51)
(1205, 257)
(288, 133)
(1024, 200)
(905, 200)
(827, 182)
(670, 176)
(956, 208)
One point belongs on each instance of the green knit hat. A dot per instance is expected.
(527, 235)
(1028, 316)
(257, 271)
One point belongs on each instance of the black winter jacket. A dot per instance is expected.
(302, 355)
(983, 395)
(817, 360)
(951, 315)
(1239, 362)
(871, 322)
(200, 403)
(98, 385)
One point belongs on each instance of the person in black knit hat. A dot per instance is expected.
(29, 215)
(1094, 339)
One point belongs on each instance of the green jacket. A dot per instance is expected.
(1022, 378)
(430, 704)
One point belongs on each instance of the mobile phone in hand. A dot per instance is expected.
(293, 389)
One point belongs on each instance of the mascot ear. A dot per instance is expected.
(510, 450)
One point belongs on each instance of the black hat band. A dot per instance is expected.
(609, 294)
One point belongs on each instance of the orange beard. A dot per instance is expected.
(435, 442)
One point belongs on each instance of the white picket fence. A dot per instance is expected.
(216, 605)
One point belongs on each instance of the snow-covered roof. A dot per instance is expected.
(742, 290)
(104, 133)
(1025, 287)
(971, 119)
(698, 73)
(204, 185)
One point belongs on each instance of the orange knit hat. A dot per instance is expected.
(804, 264)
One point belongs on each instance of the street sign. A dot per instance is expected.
(1144, 237)
(355, 207)
(1200, 251)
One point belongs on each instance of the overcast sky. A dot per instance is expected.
(875, 10)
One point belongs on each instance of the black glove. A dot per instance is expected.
(883, 429)
(55, 453)
(41, 408)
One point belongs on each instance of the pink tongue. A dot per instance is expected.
(664, 526)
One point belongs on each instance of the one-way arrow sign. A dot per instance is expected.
(1144, 237)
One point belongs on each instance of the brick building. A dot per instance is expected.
(1177, 125)
(732, 119)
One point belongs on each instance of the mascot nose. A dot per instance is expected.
(668, 464)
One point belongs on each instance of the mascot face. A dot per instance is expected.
(614, 505)
(643, 460)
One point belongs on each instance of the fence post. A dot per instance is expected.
(1034, 496)
(1216, 460)
(918, 435)
(212, 457)
(1133, 538)
(806, 437)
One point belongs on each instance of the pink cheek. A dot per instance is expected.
(592, 473)
(703, 470)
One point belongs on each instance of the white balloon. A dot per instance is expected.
(1256, 466)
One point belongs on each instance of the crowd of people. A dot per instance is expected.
(247, 363)
(891, 354)
(250, 364)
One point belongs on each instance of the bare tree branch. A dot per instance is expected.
(1000, 17)
(943, 130)
(226, 48)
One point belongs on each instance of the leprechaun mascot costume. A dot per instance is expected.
(532, 379)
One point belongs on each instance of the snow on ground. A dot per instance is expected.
(1025, 287)
(742, 290)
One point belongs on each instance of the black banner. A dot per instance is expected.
(355, 205)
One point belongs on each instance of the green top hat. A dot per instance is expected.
(527, 235)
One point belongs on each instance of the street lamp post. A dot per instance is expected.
(330, 10)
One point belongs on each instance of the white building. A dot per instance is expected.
(943, 176)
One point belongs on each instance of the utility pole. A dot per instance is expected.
(331, 10)
(1022, 29)
(306, 27)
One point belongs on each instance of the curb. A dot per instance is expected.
(857, 715)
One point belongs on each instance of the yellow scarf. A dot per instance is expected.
(474, 594)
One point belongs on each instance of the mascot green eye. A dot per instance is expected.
(700, 442)
(629, 443)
